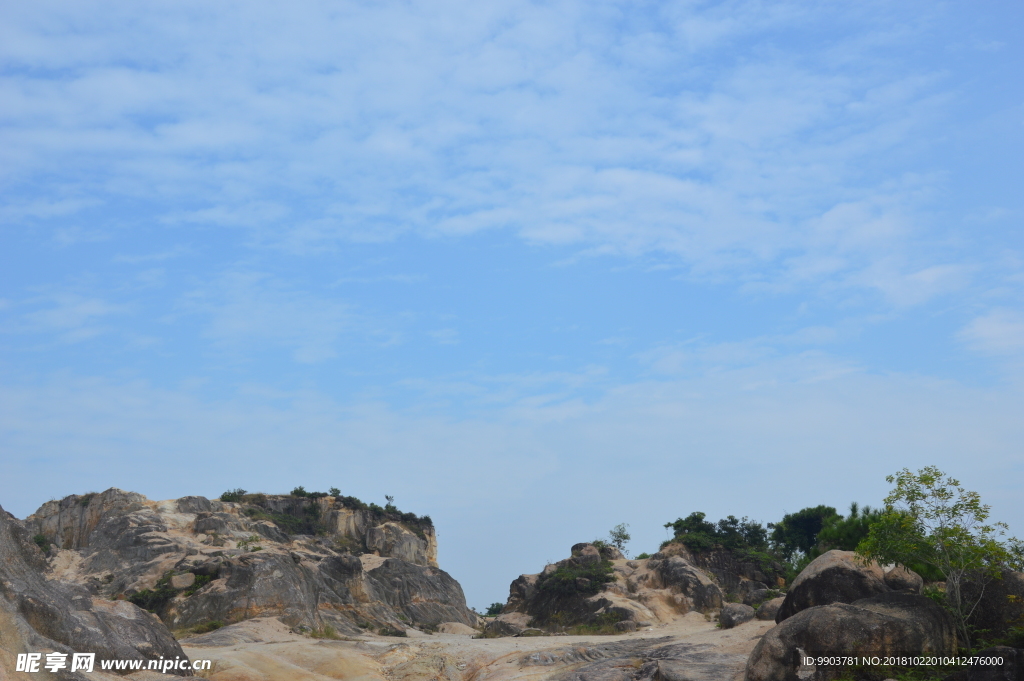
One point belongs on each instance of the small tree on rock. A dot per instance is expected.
(929, 518)
(619, 537)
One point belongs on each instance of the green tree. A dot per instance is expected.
(798, 532)
(929, 518)
(847, 533)
(495, 609)
(619, 537)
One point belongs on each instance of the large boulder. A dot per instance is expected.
(41, 615)
(734, 614)
(700, 592)
(769, 609)
(1011, 669)
(507, 624)
(891, 623)
(901, 578)
(833, 577)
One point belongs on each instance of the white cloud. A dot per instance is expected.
(249, 311)
(678, 129)
(69, 316)
(999, 332)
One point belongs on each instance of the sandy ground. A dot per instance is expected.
(266, 650)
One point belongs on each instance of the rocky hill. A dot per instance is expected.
(39, 615)
(312, 562)
(598, 589)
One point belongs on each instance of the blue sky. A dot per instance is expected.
(535, 269)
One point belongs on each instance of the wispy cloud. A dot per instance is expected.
(623, 130)
(999, 332)
(68, 316)
(250, 311)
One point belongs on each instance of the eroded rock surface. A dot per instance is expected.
(833, 577)
(38, 615)
(656, 589)
(891, 623)
(197, 561)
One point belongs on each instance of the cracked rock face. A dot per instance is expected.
(889, 624)
(199, 561)
(42, 615)
(656, 589)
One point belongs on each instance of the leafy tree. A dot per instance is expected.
(695, 532)
(619, 537)
(334, 492)
(847, 533)
(495, 609)
(299, 491)
(798, 532)
(929, 518)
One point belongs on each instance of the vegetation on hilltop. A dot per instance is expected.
(304, 518)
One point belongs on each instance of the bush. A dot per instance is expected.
(643, 556)
(234, 495)
(571, 580)
(495, 609)
(42, 542)
(156, 599)
(299, 491)
(206, 627)
(731, 532)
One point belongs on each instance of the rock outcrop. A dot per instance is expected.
(731, 572)
(833, 577)
(769, 609)
(38, 615)
(312, 562)
(892, 623)
(592, 587)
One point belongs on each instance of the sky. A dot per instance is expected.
(532, 268)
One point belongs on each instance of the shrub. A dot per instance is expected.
(299, 491)
(201, 581)
(326, 631)
(643, 556)
(206, 627)
(334, 492)
(154, 600)
(234, 495)
(495, 608)
(731, 532)
(570, 580)
(42, 542)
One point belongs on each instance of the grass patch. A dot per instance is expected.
(326, 631)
